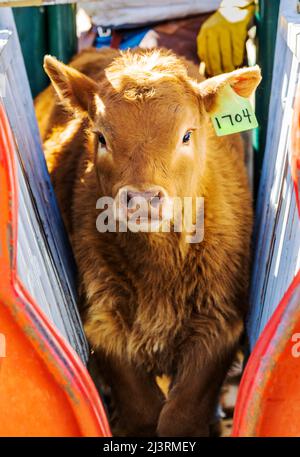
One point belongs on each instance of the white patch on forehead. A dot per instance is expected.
(100, 108)
(71, 129)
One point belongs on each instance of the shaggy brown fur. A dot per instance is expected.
(153, 304)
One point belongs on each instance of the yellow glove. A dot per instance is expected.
(221, 41)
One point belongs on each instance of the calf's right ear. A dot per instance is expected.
(243, 81)
(74, 89)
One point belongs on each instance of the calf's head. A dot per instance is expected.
(150, 122)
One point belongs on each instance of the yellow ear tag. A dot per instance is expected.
(234, 113)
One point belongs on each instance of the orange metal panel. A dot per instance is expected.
(268, 403)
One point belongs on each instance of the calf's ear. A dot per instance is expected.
(74, 89)
(243, 81)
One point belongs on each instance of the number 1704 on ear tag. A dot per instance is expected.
(234, 114)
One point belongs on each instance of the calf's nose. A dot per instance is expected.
(154, 196)
(152, 203)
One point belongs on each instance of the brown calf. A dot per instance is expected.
(153, 304)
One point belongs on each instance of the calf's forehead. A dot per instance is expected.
(155, 109)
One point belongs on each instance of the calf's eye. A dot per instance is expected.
(101, 139)
(186, 138)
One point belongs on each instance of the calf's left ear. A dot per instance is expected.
(243, 81)
(75, 90)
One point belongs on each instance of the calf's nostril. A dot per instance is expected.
(155, 201)
(160, 194)
(130, 195)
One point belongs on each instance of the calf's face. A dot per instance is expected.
(150, 144)
(150, 124)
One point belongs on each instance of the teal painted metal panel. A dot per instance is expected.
(32, 29)
(266, 21)
(45, 30)
(62, 31)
